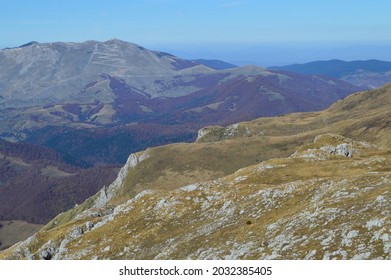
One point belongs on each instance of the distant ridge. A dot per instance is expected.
(369, 73)
(337, 68)
(215, 64)
(28, 44)
(22, 46)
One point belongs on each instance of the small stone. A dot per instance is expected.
(46, 255)
(89, 225)
(76, 232)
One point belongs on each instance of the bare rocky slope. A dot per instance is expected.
(320, 190)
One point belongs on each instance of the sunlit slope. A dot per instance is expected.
(319, 203)
(364, 115)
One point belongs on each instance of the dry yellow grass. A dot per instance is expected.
(15, 231)
(312, 205)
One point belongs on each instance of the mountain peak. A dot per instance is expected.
(116, 40)
(28, 44)
(22, 46)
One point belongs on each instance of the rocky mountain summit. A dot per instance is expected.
(287, 187)
(51, 72)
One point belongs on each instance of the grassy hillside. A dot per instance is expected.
(312, 205)
(12, 232)
(363, 115)
(271, 188)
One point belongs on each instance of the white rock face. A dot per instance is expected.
(223, 132)
(231, 130)
(189, 188)
(347, 148)
(202, 132)
(106, 193)
(374, 223)
(344, 150)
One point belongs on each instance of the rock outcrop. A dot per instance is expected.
(106, 193)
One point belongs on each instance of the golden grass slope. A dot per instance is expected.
(15, 231)
(316, 204)
(364, 115)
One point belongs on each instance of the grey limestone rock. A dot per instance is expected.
(77, 232)
(106, 193)
(89, 225)
(345, 150)
(48, 253)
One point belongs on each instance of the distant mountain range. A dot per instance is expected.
(100, 101)
(368, 73)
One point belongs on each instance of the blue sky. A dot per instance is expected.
(209, 28)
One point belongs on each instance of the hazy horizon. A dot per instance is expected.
(266, 55)
(264, 33)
